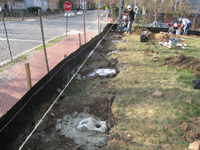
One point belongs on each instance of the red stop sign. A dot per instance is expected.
(67, 6)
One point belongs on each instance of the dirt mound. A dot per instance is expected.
(183, 62)
(162, 37)
(148, 51)
(191, 130)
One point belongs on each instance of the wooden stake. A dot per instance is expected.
(28, 75)
(79, 39)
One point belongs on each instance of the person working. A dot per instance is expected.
(130, 15)
(155, 24)
(173, 28)
(186, 24)
(124, 23)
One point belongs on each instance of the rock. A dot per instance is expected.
(58, 127)
(194, 146)
(196, 84)
(78, 76)
(157, 94)
(52, 114)
(74, 114)
(115, 41)
(155, 59)
(123, 40)
(59, 90)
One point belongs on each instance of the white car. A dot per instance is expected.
(80, 12)
(69, 14)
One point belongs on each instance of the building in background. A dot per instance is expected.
(18, 5)
(53, 4)
(3, 5)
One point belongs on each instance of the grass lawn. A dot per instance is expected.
(145, 122)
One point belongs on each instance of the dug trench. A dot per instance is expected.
(86, 96)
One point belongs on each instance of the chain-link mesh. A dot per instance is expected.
(21, 42)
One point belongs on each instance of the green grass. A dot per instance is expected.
(50, 43)
(19, 59)
(157, 119)
(41, 47)
(56, 40)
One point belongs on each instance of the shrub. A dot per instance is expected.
(48, 9)
(56, 10)
(33, 9)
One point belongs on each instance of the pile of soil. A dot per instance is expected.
(162, 37)
(191, 130)
(183, 62)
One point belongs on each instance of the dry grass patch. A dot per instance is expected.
(150, 123)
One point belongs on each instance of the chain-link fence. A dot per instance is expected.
(24, 60)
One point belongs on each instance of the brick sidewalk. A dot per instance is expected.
(14, 89)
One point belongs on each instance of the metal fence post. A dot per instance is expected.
(84, 24)
(44, 46)
(66, 23)
(106, 17)
(7, 37)
(98, 22)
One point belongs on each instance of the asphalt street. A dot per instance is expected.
(25, 35)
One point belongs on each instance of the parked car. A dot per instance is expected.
(70, 14)
(79, 13)
(179, 23)
(158, 25)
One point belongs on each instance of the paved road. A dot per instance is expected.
(26, 35)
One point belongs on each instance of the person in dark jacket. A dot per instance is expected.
(130, 15)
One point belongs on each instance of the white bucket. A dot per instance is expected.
(172, 44)
(178, 32)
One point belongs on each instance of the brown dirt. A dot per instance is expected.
(183, 62)
(191, 130)
(162, 37)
